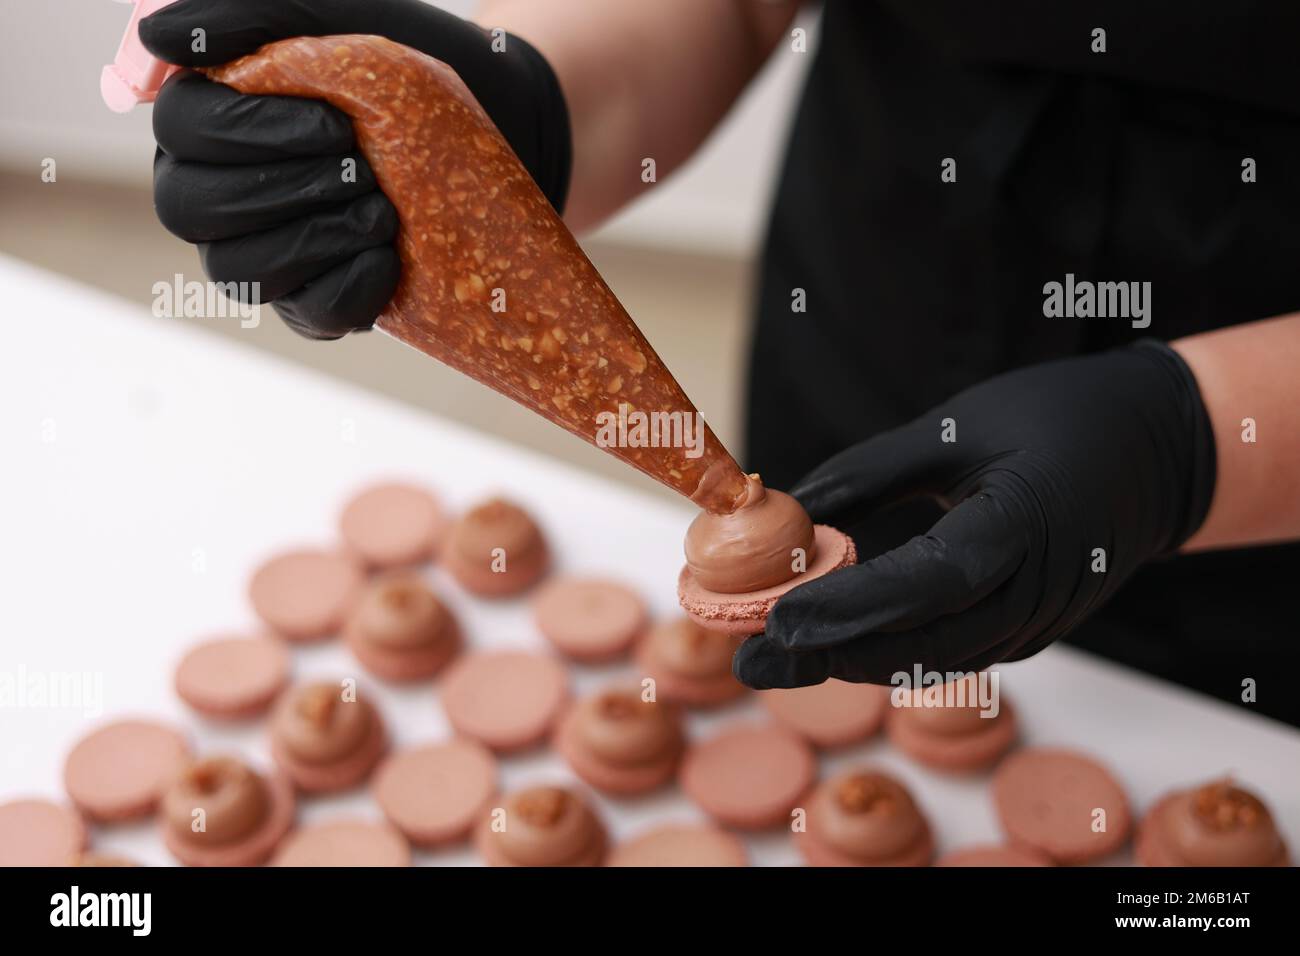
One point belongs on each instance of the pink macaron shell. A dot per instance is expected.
(305, 595)
(119, 770)
(1045, 799)
(435, 793)
(993, 855)
(957, 753)
(507, 700)
(337, 775)
(392, 525)
(610, 778)
(739, 627)
(344, 843)
(35, 832)
(252, 850)
(233, 678)
(1149, 844)
(671, 844)
(745, 614)
(749, 776)
(590, 620)
(832, 714)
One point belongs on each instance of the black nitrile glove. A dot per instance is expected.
(256, 181)
(1111, 451)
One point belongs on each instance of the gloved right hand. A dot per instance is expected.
(257, 181)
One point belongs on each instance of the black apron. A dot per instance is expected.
(1119, 166)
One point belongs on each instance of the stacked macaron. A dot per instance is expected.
(739, 565)
(1216, 824)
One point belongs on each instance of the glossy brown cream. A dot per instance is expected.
(220, 812)
(542, 826)
(866, 818)
(756, 546)
(1218, 824)
(218, 800)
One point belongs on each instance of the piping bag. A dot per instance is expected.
(493, 283)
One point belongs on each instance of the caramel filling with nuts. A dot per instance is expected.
(400, 597)
(542, 807)
(618, 707)
(206, 778)
(867, 816)
(497, 523)
(1221, 806)
(863, 794)
(314, 724)
(317, 704)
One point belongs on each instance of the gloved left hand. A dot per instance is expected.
(1061, 480)
(255, 181)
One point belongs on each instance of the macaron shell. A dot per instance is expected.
(831, 714)
(680, 845)
(405, 666)
(749, 776)
(1045, 800)
(252, 850)
(305, 595)
(40, 833)
(1151, 848)
(119, 771)
(608, 778)
(392, 525)
(339, 775)
(741, 626)
(233, 678)
(344, 843)
(955, 752)
(745, 614)
(507, 700)
(993, 855)
(436, 793)
(818, 854)
(589, 619)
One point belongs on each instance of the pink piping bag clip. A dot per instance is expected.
(136, 75)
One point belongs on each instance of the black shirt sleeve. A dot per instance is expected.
(1239, 49)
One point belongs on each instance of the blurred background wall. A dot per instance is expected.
(681, 259)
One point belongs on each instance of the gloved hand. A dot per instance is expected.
(1111, 451)
(257, 182)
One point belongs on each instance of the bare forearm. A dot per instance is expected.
(642, 80)
(1249, 376)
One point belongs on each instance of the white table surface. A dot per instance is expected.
(149, 466)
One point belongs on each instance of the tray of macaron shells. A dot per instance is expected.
(603, 736)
